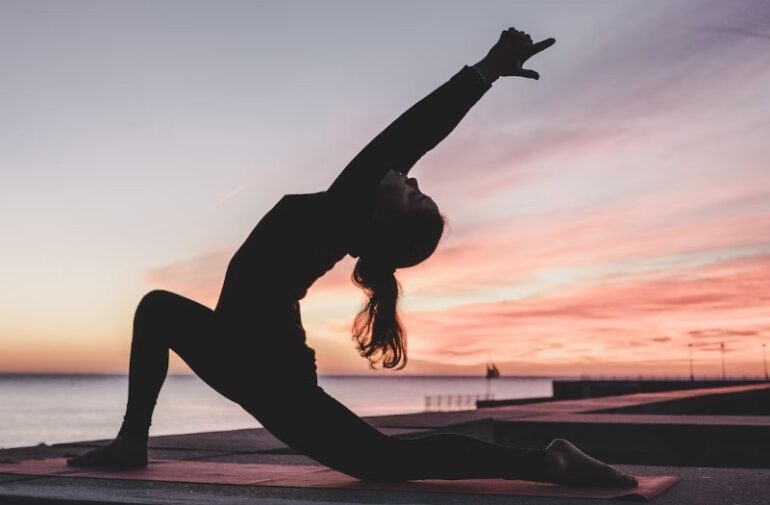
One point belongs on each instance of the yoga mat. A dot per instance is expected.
(170, 470)
(314, 476)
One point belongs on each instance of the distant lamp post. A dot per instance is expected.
(692, 375)
(722, 346)
(764, 358)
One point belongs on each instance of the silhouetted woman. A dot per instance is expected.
(252, 348)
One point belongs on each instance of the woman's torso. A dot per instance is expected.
(302, 237)
(296, 242)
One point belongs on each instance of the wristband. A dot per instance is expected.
(481, 74)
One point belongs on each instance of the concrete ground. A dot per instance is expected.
(746, 484)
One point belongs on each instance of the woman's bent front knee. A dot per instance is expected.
(156, 311)
(155, 299)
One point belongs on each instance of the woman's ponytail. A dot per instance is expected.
(377, 328)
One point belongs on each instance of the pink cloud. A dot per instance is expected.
(725, 302)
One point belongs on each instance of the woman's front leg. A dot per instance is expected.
(165, 321)
(162, 321)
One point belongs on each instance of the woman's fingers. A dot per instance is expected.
(542, 45)
(529, 74)
(533, 50)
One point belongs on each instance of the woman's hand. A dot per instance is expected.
(507, 56)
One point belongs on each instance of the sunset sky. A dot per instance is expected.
(601, 218)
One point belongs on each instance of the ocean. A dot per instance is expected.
(56, 409)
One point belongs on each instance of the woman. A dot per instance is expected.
(254, 339)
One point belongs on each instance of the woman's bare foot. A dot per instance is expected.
(122, 453)
(566, 464)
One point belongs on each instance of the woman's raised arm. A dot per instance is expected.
(432, 119)
(412, 134)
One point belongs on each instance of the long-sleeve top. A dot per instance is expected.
(304, 235)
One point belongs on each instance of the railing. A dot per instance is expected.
(435, 403)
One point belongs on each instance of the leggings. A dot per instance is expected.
(304, 417)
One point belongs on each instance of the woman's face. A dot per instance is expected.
(398, 194)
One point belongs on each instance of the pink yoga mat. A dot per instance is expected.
(313, 476)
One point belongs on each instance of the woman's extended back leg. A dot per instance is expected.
(311, 421)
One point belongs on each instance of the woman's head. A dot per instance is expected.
(406, 224)
(405, 230)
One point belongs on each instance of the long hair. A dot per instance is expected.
(377, 328)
